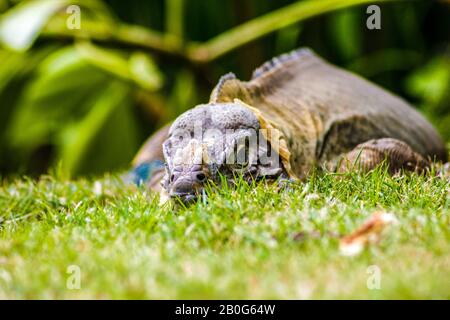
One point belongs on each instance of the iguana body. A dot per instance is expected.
(325, 115)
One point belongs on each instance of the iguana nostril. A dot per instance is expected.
(201, 177)
(182, 187)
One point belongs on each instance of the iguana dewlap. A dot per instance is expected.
(311, 114)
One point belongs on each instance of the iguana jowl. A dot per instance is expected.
(326, 116)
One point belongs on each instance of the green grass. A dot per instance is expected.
(242, 244)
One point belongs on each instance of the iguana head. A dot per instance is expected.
(213, 140)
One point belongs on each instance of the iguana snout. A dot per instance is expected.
(186, 183)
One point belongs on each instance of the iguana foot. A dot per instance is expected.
(397, 155)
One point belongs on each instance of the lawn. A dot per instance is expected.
(249, 242)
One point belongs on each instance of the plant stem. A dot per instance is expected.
(125, 34)
(218, 46)
(175, 17)
(258, 27)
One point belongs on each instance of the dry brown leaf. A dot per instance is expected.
(368, 232)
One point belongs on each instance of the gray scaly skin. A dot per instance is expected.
(327, 117)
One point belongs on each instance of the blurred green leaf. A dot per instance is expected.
(345, 27)
(287, 38)
(385, 60)
(62, 86)
(22, 24)
(115, 143)
(75, 139)
(15, 69)
(431, 82)
(3, 5)
(107, 60)
(183, 94)
(138, 68)
(68, 106)
(11, 64)
(145, 72)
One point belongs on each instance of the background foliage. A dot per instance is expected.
(86, 99)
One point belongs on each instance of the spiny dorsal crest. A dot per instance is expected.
(280, 61)
(229, 88)
(220, 85)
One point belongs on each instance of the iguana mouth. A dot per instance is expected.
(186, 199)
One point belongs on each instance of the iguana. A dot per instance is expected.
(312, 114)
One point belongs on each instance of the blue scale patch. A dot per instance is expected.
(143, 172)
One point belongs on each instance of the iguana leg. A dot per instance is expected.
(397, 154)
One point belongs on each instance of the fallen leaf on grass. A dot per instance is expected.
(368, 232)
